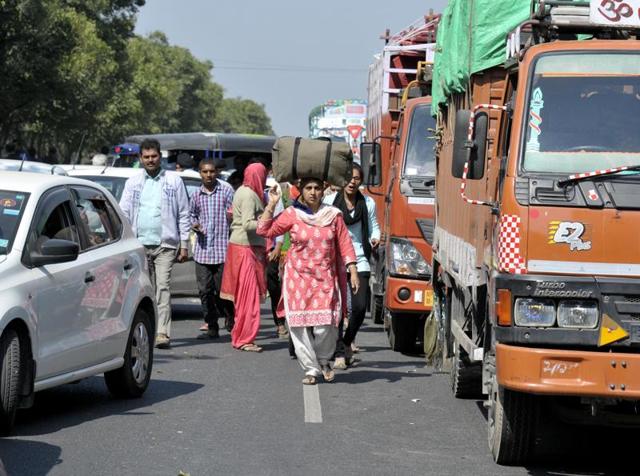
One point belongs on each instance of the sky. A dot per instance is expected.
(290, 55)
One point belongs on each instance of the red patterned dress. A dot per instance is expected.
(314, 283)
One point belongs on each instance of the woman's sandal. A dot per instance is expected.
(251, 348)
(328, 374)
(309, 380)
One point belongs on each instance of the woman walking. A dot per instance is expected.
(243, 281)
(359, 214)
(314, 283)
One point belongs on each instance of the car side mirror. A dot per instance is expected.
(54, 251)
(370, 162)
(473, 152)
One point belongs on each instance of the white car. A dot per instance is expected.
(75, 294)
(183, 275)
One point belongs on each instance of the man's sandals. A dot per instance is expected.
(250, 348)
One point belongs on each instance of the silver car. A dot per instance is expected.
(183, 275)
(75, 295)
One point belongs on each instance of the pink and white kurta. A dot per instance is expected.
(314, 283)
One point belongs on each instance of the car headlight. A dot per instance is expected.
(534, 312)
(576, 313)
(406, 260)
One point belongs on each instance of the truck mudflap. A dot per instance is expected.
(408, 295)
(568, 372)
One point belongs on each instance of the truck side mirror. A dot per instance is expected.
(474, 152)
(370, 162)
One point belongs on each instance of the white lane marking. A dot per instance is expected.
(312, 407)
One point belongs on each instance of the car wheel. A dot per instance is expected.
(10, 379)
(131, 380)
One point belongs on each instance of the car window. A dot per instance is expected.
(99, 223)
(58, 224)
(115, 185)
(192, 185)
(11, 210)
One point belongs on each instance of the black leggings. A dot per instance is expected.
(274, 286)
(358, 310)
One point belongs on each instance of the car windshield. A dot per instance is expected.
(420, 156)
(115, 185)
(11, 209)
(582, 113)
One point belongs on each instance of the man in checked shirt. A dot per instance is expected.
(208, 214)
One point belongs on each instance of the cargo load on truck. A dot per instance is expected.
(536, 287)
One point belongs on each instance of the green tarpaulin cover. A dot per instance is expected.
(472, 36)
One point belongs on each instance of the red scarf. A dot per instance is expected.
(255, 177)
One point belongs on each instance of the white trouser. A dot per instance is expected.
(160, 261)
(314, 346)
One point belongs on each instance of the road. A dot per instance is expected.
(211, 409)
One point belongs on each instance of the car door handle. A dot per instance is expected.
(89, 278)
(127, 265)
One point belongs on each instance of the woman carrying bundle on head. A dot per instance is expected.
(314, 283)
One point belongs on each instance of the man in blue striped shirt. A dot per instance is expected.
(209, 205)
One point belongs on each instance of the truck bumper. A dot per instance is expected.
(568, 372)
(408, 295)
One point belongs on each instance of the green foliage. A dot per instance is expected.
(243, 116)
(74, 68)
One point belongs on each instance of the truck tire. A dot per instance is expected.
(131, 380)
(403, 333)
(10, 379)
(466, 376)
(512, 422)
(377, 305)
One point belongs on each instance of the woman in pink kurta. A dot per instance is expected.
(314, 283)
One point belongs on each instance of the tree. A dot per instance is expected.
(242, 116)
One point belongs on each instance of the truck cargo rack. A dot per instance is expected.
(553, 20)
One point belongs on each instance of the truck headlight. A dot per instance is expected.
(534, 312)
(406, 260)
(576, 313)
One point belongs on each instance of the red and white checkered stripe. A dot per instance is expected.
(465, 172)
(509, 259)
(595, 173)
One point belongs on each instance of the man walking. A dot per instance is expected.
(155, 202)
(209, 205)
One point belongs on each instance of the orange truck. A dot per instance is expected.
(399, 166)
(536, 263)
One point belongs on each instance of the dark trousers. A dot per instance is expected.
(274, 286)
(358, 310)
(209, 277)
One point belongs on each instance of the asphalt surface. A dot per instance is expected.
(211, 409)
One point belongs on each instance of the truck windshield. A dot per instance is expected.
(420, 156)
(11, 208)
(582, 113)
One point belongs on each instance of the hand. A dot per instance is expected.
(183, 255)
(274, 255)
(274, 195)
(355, 282)
(375, 244)
(197, 227)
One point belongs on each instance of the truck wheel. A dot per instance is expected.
(131, 380)
(376, 309)
(466, 377)
(403, 333)
(512, 420)
(10, 379)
